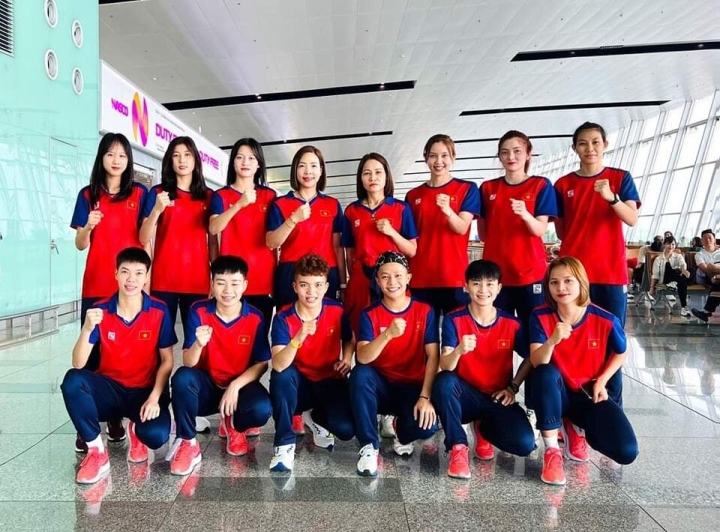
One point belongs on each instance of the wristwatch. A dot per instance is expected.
(514, 387)
(616, 199)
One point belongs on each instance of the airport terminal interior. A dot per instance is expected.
(352, 77)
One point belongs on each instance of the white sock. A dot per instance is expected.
(193, 441)
(551, 442)
(97, 443)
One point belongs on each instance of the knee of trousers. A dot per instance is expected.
(360, 378)
(182, 381)
(154, 435)
(545, 376)
(259, 413)
(73, 382)
(444, 386)
(344, 429)
(524, 444)
(626, 452)
(281, 382)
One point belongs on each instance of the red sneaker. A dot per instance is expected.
(222, 431)
(459, 466)
(252, 432)
(137, 450)
(186, 458)
(93, 467)
(237, 444)
(483, 448)
(298, 426)
(576, 447)
(553, 472)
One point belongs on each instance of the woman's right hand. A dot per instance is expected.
(562, 332)
(94, 218)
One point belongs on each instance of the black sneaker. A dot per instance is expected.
(80, 445)
(700, 314)
(115, 430)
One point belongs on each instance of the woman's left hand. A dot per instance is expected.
(599, 392)
(424, 413)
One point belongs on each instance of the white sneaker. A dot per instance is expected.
(321, 436)
(403, 449)
(367, 465)
(284, 458)
(386, 427)
(685, 312)
(672, 284)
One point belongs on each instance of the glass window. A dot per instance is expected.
(649, 202)
(649, 127)
(713, 151)
(612, 137)
(678, 189)
(672, 121)
(706, 172)
(642, 229)
(662, 158)
(668, 222)
(690, 146)
(700, 109)
(641, 158)
(691, 228)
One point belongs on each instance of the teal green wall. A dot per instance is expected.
(48, 138)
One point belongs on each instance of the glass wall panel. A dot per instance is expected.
(706, 173)
(641, 158)
(662, 158)
(673, 119)
(678, 190)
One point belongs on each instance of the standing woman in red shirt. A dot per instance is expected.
(443, 209)
(373, 224)
(107, 216)
(176, 212)
(306, 221)
(239, 213)
(515, 210)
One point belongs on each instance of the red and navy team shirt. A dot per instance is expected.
(403, 359)
(129, 350)
(584, 355)
(233, 347)
(436, 240)
(244, 235)
(314, 235)
(181, 261)
(361, 233)
(118, 229)
(508, 242)
(489, 368)
(593, 232)
(319, 352)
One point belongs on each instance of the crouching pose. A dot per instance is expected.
(136, 336)
(224, 355)
(312, 348)
(397, 359)
(576, 347)
(477, 383)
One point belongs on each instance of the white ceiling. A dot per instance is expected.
(458, 51)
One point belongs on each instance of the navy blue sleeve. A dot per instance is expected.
(365, 330)
(167, 337)
(338, 220)
(432, 334)
(481, 202)
(141, 203)
(617, 341)
(94, 335)
(82, 209)
(279, 332)
(628, 190)
(537, 333)
(347, 240)
(407, 226)
(149, 203)
(192, 322)
(559, 202)
(261, 346)
(216, 204)
(345, 329)
(275, 217)
(521, 346)
(449, 333)
(471, 202)
(546, 204)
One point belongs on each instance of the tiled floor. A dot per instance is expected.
(670, 397)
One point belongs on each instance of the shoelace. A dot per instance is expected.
(92, 456)
(183, 453)
(553, 458)
(458, 456)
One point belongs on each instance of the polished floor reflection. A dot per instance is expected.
(670, 396)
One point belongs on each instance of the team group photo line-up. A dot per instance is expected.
(373, 320)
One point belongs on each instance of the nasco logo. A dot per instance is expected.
(140, 119)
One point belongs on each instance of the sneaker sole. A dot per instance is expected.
(554, 483)
(486, 458)
(101, 473)
(193, 464)
(366, 473)
(137, 460)
(80, 450)
(243, 453)
(459, 475)
(281, 468)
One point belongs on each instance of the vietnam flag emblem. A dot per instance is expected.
(503, 343)
(244, 339)
(132, 204)
(145, 335)
(593, 344)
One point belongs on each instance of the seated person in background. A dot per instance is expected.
(708, 263)
(136, 336)
(670, 269)
(667, 234)
(657, 244)
(696, 244)
(476, 383)
(224, 356)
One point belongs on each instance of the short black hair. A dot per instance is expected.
(228, 264)
(587, 126)
(136, 255)
(482, 269)
(706, 231)
(669, 240)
